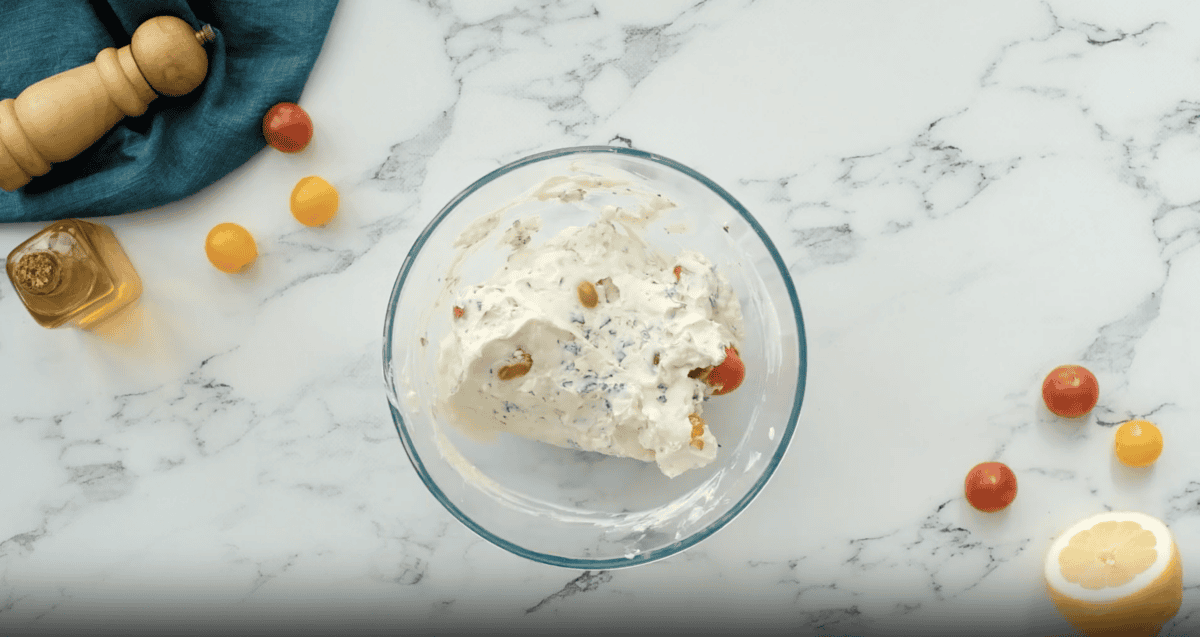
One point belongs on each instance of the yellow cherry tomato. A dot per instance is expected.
(230, 247)
(1138, 443)
(314, 201)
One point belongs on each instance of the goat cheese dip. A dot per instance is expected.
(586, 342)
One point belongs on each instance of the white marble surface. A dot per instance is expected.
(967, 193)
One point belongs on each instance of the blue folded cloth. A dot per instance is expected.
(263, 54)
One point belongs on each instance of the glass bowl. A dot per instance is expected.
(572, 508)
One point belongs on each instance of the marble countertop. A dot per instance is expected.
(967, 194)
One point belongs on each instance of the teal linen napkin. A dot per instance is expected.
(263, 54)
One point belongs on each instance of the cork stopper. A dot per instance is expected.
(38, 273)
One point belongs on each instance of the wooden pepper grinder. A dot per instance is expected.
(60, 116)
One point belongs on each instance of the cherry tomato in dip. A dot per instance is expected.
(727, 376)
(990, 486)
(1070, 391)
(287, 127)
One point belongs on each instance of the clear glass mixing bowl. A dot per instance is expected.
(574, 508)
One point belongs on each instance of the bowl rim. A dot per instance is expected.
(587, 563)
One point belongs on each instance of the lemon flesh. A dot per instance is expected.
(1116, 573)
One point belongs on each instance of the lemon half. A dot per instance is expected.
(1116, 573)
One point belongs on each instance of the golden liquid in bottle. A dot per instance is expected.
(73, 272)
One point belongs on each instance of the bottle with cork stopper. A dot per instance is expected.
(73, 273)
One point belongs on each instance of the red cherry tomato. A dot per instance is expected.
(990, 486)
(727, 376)
(1070, 391)
(287, 127)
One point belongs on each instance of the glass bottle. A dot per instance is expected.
(73, 273)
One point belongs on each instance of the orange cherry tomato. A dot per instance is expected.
(1070, 391)
(230, 247)
(727, 376)
(1138, 443)
(314, 201)
(990, 486)
(287, 127)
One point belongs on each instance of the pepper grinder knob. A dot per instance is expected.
(170, 55)
(60, 116)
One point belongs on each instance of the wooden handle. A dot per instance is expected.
(58, 117)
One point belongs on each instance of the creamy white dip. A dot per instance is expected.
(611, 378)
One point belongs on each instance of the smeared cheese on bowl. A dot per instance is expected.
(586, 341)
